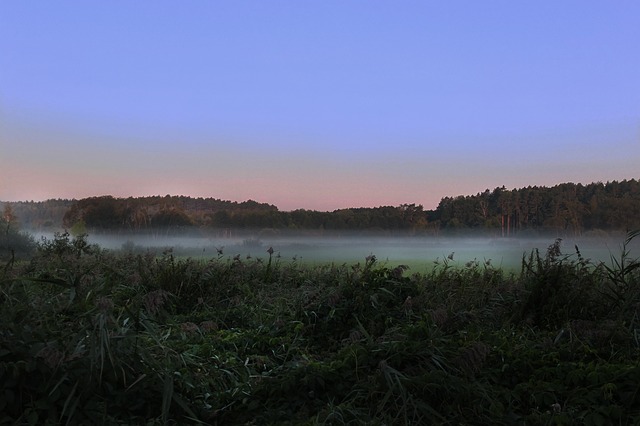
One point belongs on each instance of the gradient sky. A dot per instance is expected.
(315, 104)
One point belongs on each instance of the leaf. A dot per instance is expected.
(178, 400)
(142, 376)
(56, 281)
(66, 404)
(167, 396)
(631, 235)
(62, 380)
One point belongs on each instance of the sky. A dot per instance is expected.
(315, 104)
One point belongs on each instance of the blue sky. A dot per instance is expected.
(317, 105)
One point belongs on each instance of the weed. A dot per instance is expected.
(93, 337)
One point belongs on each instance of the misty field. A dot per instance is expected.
(128, 336)
(420, 253)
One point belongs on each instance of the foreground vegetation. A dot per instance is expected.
(89, 336)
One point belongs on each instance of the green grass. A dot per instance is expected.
(89, 336)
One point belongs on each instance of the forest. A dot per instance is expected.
(564, 209)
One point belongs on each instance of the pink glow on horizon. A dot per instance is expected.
(291, 183)
(43, 161)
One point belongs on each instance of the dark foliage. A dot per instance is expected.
(566, 209)
(89, 336)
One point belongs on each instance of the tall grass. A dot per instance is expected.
(91, 336)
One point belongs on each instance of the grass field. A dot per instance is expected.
(92, 336)
(420, 253)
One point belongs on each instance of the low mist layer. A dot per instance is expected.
(418, 252)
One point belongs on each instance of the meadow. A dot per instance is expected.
(420, 252)
(90, 335)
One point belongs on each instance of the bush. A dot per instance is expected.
(16, 245)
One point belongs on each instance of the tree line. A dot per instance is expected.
(569, 208)
(566, 208)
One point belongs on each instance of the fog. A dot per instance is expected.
(419, 252)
